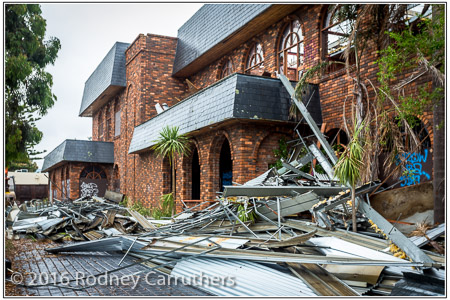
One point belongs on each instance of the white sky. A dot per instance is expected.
(87, 32)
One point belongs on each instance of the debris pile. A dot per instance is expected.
(83, 219)
(284, 233)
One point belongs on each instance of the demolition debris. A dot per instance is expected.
(284, 233)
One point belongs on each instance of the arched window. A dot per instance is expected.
(227, 68)
(63, 184)
(336, 30)
(291, 50)
(420, 132)
(255, 60)
(55, 191)
(67, 182)
(93, 172)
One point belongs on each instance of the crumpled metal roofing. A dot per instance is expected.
(251, 279)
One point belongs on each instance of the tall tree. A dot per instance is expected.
(28, 94)
(170, 144)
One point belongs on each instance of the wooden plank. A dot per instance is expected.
(141, 220)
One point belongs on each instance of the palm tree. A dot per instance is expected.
(349, 165)
(169, 144)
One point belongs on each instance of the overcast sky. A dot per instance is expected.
(87, 32)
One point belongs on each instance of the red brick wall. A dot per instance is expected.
(334, 87)
(59, 174)
(149, 61)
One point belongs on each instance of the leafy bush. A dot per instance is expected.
(140, 208)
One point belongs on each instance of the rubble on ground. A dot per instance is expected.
(285, 233)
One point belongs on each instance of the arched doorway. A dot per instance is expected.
(93, 182)
(225, 165)
(337, 138)
(167, 176)
(116, 179)
(195, 176)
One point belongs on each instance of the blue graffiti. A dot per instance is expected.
(413, 166)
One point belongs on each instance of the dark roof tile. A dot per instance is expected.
(210, 25)
(110, 72)
(80, 151)
(220, 102)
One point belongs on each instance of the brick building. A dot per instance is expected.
(217, 82)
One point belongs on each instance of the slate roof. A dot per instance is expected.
(235, 97)
(210, 25)
(80, 151)
(110, 72)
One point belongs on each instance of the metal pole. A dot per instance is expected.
(312, 124)
(279, 216)
(50, 194)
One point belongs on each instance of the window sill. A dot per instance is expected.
(334, 74)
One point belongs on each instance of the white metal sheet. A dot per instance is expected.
(338, 247)
(250, 278)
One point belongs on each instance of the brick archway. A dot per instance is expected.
(214, 160)
(188, 170)
(263, 154)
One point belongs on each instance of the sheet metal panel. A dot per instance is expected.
(343, 248)
(420, 241)
(251, 279)
(224, 242)
(263, 191)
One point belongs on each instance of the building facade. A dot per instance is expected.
(217, 81)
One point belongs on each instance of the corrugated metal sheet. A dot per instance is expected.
(431, 234)
(224, 242)
(251, 279)
(343, 248)
(260, 179)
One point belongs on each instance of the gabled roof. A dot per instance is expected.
(235, 97)
(79, 151)
(105, 81)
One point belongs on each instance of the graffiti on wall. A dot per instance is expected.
(415, 168)
(88, 189)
